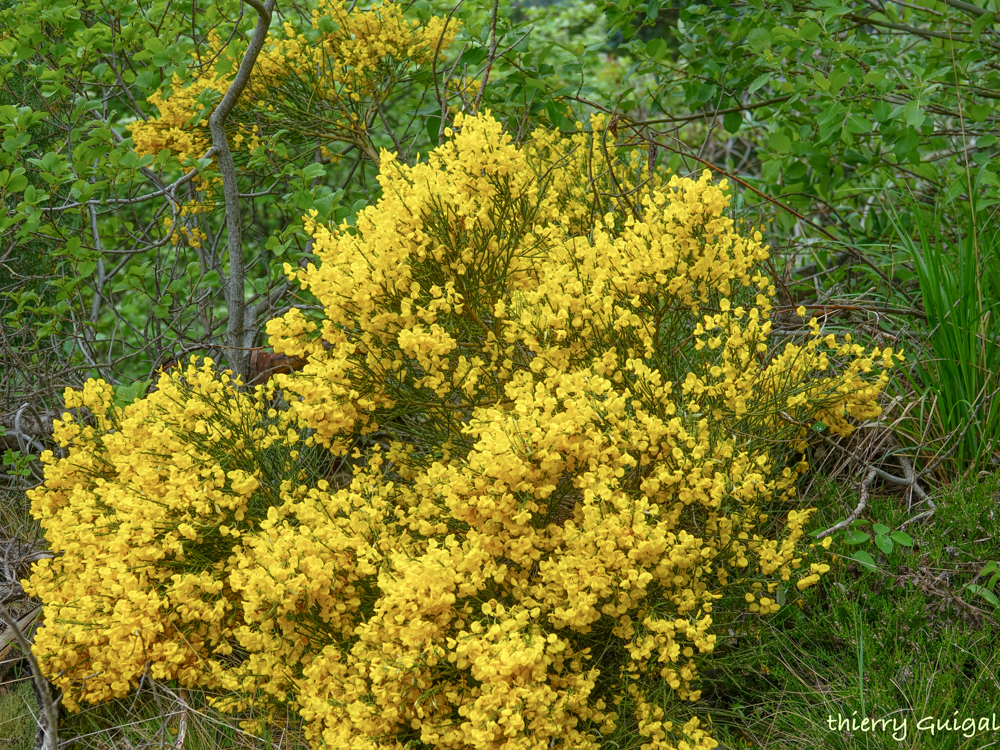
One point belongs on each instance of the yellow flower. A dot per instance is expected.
(521, 470)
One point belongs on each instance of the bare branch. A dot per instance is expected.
(866, 484)
(925, 33)
(967, 7)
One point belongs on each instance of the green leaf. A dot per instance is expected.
(474, 56)
(979, 112)
(858, 124)
(760, 81)
(124, 395)
(864, 559)
(17, 183)
(433, 127)
(838, 78)
(910, 112)
(655, 47)
(312, 171)
(879, 528)
(906, 144)
(856, 537)
(704, 93)
(980, 25)
(780, 34)
(85, 269)
(884, 543)
(733, 121)
(780, 142)
(557, 117)
(901, 537)
(821, 80)
(652, 10)
(985, 593)
(758, 39)
(810, 30)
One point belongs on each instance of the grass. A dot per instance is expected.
(906, 646)
(959, 285)
(17, 715)
(155, 718)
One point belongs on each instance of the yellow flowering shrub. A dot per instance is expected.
(328, 74)
(581, 446)
(591, 440)
(145, 510)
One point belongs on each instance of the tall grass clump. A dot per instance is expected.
(960, 288)
(581, 459)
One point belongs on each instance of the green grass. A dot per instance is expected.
(955, 376)
(17, 715)
(904, 642)
(153, 719)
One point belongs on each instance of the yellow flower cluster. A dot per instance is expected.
(348, 56)
(193, 236)
(591, 454)
(358, 51)
(612, 477)
(145, 517)
(182, 125)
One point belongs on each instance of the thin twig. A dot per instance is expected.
(182, 722)
(490, 59)
(866, 484)
(883, 475)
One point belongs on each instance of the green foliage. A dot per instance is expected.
(126, 394)
(17, 722)
(985, 590)
(823, 107)
(884, 539)
(831, 113)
